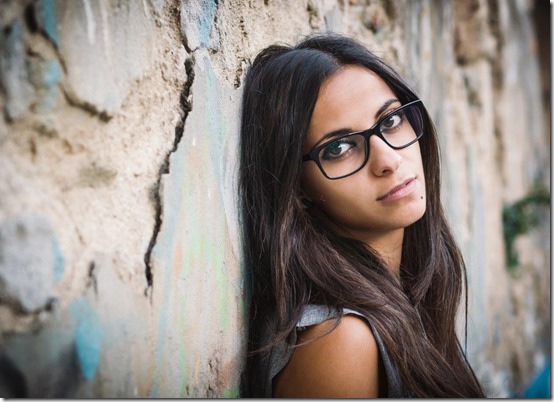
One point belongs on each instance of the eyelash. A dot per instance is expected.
(340, 142)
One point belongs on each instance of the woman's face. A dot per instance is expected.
(388, 194)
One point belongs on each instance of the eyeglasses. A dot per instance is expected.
(346, 155)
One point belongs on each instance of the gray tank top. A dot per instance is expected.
(315, 314)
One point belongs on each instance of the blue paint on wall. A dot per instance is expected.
(205, 21)
(51, 73)
(540, 385)
(163, 253)
(58, 260)
(88, 337)
(46, 19)
(45, 75)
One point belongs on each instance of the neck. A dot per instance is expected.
(389, 247)
(388, 244)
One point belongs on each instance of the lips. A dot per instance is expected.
(399, 191)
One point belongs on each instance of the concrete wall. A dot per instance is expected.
(120, 260)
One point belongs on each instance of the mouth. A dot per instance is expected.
(399, 191)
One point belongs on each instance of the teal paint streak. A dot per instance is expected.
(45, 75)
(540, 385)
(58, 260)
(51, 74)
(162, 250)
(214, 119)
(46, 18)
(194, 227)
(217, 255)
(162, 253)
(206, 20)
(88, 337)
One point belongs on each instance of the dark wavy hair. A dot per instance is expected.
(293, 260)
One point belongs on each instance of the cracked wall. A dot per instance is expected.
(120, 260)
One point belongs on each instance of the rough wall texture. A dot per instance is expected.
(120, 260)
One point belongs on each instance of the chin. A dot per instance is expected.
(410, 218)
(418, 214)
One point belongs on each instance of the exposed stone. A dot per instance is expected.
(197, 18)
(28, 262)
(118, 35)
(334, 20)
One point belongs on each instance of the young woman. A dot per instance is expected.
(355, 277)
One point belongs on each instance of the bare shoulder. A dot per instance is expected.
(340, 364)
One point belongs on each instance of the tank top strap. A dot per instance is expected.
(393, 377)
(314, 314)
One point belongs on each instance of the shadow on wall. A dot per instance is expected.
(58, 380)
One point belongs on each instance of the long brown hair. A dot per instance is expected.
(294, 260)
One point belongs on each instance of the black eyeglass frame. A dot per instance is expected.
(313, 155)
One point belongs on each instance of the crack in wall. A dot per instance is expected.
(185, 102)
(92, 281)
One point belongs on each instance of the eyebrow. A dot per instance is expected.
(342, 131)
(385, 107)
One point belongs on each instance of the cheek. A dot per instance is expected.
(416, 161)
(334, 197)
(311, 181)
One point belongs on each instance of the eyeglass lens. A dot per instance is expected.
(347, 154)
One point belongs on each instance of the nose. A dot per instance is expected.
(383, 160)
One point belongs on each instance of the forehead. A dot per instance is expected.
(348, 100)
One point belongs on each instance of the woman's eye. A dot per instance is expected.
(392, 122)
(337, 149)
